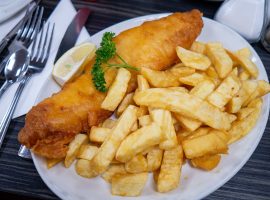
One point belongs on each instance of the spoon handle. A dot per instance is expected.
(7, 117)
(4, 87)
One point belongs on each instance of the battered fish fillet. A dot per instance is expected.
(54, 122)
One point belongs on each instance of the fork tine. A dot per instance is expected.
(32, 25)
(36, 55)
(44, 43)
(37, 27)
(26, 28)
(23, 23)
(49, 45)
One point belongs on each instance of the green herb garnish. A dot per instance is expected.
(104, 53)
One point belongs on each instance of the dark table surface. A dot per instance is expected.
(19, 178)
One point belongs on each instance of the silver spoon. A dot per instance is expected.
(16, 66)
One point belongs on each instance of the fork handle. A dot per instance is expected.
(7, 118)
(4, 87)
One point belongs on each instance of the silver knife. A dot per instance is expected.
(69, 40)
(73, 31)
(5, 41)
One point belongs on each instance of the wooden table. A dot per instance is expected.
(19, 178)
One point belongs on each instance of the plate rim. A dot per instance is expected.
(57, 191)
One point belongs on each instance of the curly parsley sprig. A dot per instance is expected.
(104, 53)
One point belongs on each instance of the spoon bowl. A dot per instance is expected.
(16, 66)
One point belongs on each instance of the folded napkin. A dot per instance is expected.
(61, 16)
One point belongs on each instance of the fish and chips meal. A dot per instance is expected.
(151, 100)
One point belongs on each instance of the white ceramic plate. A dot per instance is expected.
(195, 183)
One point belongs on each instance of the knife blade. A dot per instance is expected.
(72, 32)
(6, 40)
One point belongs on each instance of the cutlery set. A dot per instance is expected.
(22, 63)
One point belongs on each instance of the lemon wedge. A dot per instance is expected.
(71, 64)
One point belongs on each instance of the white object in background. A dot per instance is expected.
(244, 16)
(9, 8)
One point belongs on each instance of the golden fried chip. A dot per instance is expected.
(74, 147)
(207, 162)
(244, 75)
(113, 170)
(207, 144)
(117, 90)
(108, 123)
(218, 56)
(137, 164)
(244, 112)
(203, 89)
(128, 100)
(87, 152)
(198, 47)
(193, 59)
(188, 123)
(160, 78)
(192, 80)
(225, 91)
(108, 149)
(83, 169)
(154, 158)
(185, 104)
(138, 141)
(99, 134)
(164, 119)
(145, 120)
(170, 170)
(243, 127)
(128, 184)
(180, 70)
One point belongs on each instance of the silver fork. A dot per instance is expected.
(39, 54)
(25, 35)
(27, 32)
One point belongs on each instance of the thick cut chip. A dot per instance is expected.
(207, 163)
(52, 162)
(142, 85)
(246, 92)
(117, 90)
(128, 100)
(198, 47)
(193, 59)
(207, 144)
(137, 164)
(164, 119)
(244, 75)
(203, 89)
(82, 168)
(262, 89)
(108, 123)
(129, 184)
(170, 170)
(193, 79)
(154, 158)
(160, 78)
(222, 62)
(179, 89)
(113, 170)
(180, 70)
(244, 52)
(199, 132)
(108, 149)
(188, 123)
(138, 141)
(243, 127)
(245, 62)
(244, 112)
(145, 120)
(135, 126)
(99, 134)
(225, 91)
(74, 147)
(87, 152)
(185, 104)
